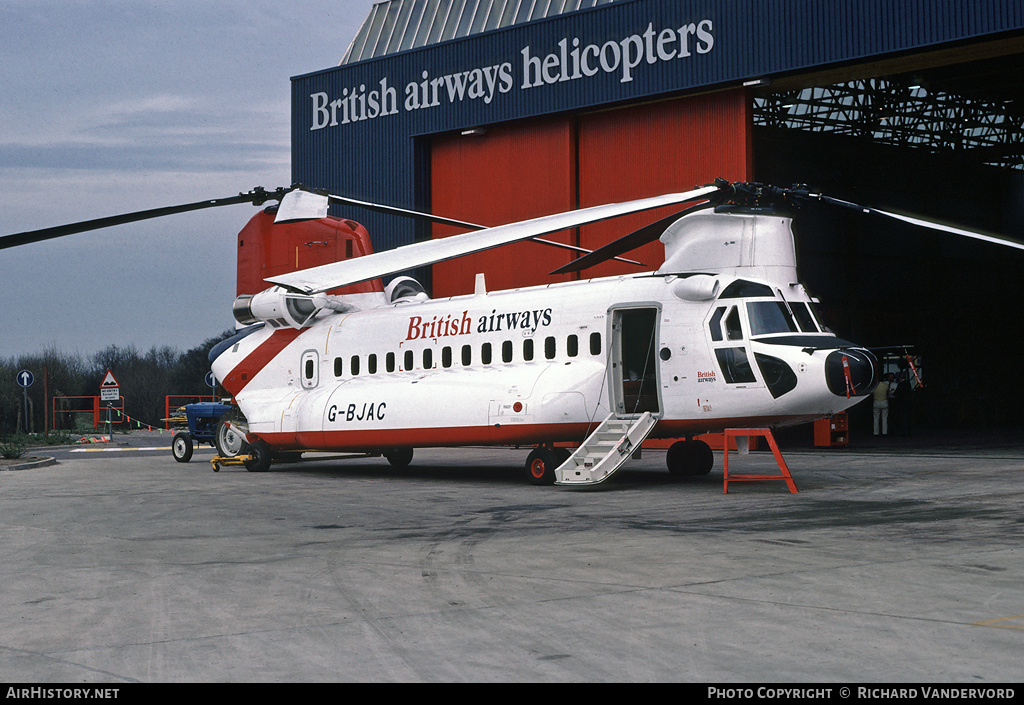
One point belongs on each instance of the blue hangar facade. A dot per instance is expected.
(492, 111)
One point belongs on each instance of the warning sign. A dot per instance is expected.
(110, 390)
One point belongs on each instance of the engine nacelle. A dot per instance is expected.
(699, 287)
(405, 290)
(279, 308)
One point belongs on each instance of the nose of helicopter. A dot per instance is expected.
(850, 372)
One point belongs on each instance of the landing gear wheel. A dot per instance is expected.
(685, 458)
(229, 441)
(181, 447)
(399, 457)
(540, 466)
(261, 457)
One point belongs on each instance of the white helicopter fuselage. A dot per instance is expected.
(721, 336)
(537, 365)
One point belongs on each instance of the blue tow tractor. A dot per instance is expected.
(213, 423)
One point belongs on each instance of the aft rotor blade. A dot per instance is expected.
(441, 220)
(257, 196)
(395, 210)
(358, 269)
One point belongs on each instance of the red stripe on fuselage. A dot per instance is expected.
(255, 361)
(371, 440)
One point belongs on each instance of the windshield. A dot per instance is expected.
(768, 317)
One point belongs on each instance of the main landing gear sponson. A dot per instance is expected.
(261, 456)
(399, 457)
(689, 457)
(541, 464)
(230, 443)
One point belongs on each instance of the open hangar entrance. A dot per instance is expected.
(944, 142)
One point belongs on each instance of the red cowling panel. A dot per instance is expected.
(508, 174)
(266, 249)
(657, 148)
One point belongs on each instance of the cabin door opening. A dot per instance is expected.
(634, 362)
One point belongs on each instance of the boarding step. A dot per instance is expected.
(605, 450)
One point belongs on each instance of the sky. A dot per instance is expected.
(112, 106)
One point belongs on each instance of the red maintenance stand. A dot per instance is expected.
(767, 434)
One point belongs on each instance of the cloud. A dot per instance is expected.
(113, 106)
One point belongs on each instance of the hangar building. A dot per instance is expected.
(492, 111)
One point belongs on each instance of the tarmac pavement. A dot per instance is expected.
(899, 561)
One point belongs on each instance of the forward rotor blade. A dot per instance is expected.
(637, 238)
(582, 250)
(921, 222)
(352, 271)
(257, 196)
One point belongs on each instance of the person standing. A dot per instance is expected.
(880, 406)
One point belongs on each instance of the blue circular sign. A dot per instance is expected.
(211, 381)
(25, 378)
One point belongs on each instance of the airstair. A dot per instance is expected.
(605, 450)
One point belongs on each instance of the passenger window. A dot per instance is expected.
(354, 365)
(338, 367)
(528, 349)
(371, 364)
(549, 348)
(389, 362)
(595, 343)
(467, 355)
(572, 346)
(506, 351)
(485, 353)
(428, 358)
(446, 356)
(410, 361)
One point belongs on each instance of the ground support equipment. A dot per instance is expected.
(767, 434)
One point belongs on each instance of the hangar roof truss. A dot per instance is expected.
(897, 112)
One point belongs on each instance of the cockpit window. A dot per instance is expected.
(741, 288)
(716, 324)
(817, 315)
(735, 365)
(733, 329)
(803, 317)
(768, 317)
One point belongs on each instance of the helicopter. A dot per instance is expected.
(720, 336)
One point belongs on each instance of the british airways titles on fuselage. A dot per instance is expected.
(442, 326)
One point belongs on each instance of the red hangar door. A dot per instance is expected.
(505, 173)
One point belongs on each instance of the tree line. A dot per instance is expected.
(145, 379)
